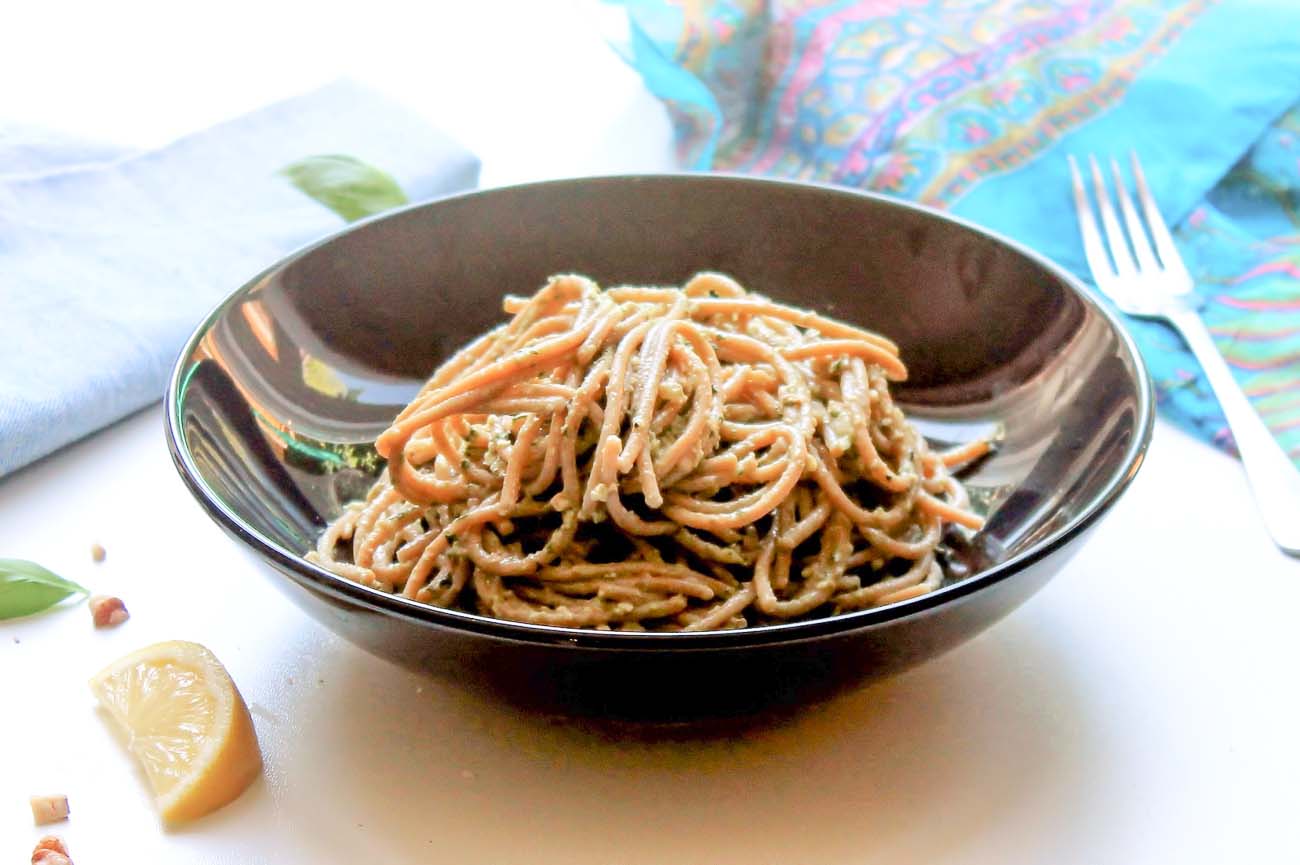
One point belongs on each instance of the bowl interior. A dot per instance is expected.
(280, 394)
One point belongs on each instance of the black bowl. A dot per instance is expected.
(276, 399)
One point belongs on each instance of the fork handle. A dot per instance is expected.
(1272, 475)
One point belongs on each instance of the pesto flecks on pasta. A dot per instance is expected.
(656, 459)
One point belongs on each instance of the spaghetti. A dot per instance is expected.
(656, 459)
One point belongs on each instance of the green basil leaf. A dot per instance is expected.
(345, 185)
(26, 588)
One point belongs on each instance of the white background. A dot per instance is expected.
(1142, 708)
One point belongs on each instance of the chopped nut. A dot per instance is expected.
(97, 553)
(107, 611)
(50, 851)
(49, 809)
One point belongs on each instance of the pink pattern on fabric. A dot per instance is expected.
(962, 90)
(809, 69)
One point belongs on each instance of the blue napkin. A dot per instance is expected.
(109, 260)
(973, 106)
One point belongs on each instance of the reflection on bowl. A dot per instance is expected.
(275, 401)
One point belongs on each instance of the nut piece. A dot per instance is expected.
(49, 809)
(50, 851)
(97, 553)
(107, 611)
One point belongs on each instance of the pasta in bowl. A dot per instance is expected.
(656, 458)
(346, 402)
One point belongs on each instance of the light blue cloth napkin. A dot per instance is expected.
(109, 260)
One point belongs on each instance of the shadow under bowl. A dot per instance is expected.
(275, 402)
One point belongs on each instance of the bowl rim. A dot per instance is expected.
(321, 580)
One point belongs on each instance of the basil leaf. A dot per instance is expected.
(345, 185)
(26, 588)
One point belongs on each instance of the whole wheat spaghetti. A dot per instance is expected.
(656, 459)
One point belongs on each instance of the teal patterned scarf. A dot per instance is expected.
(972, 105)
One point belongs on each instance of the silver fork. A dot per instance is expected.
(1155, 284)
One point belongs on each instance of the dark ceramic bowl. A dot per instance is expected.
(275, 401)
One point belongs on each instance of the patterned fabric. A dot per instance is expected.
(1243, 244)
(972, 104)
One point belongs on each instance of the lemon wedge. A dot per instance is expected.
(185, 722)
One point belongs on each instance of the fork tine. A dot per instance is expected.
(1146, 260)
(1165, 247)
(1093, 248)
(1116, 241)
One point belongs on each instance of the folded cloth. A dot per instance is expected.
(1242, 242)
(26, 151)
(973, 106)
(107, 264)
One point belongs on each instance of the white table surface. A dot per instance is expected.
(1142, 708)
